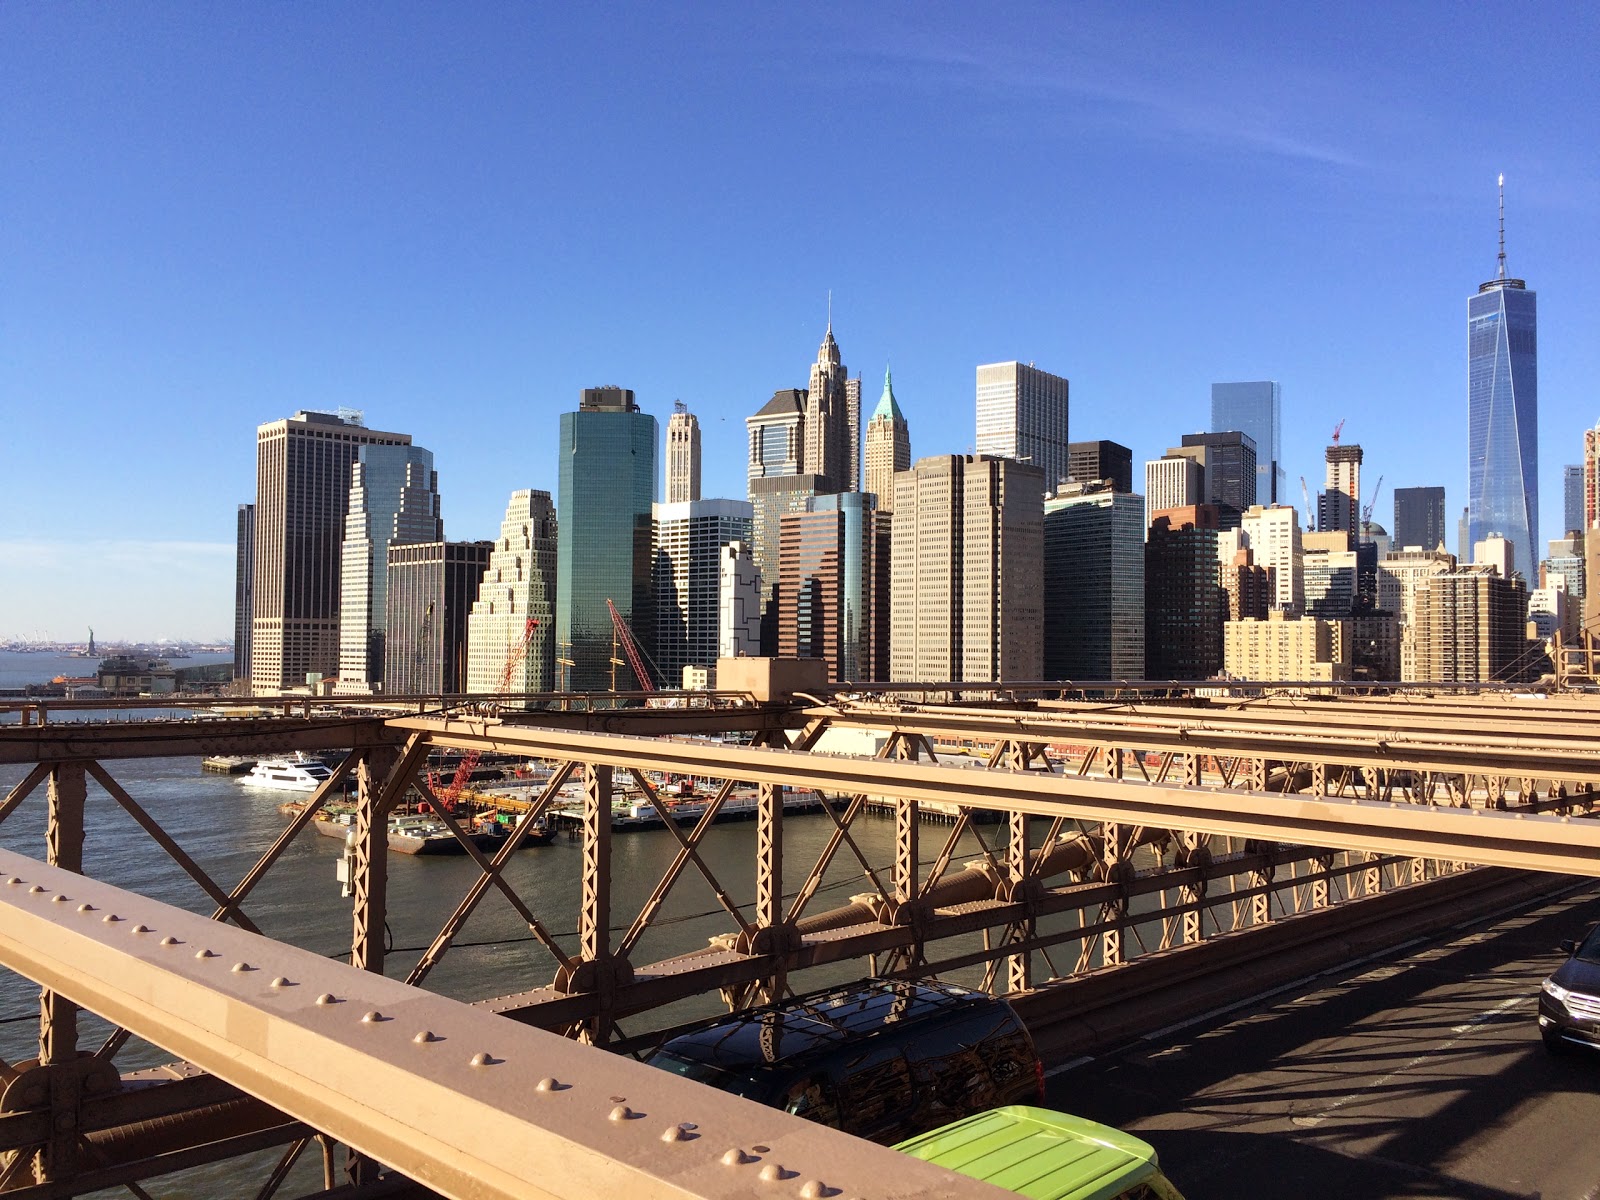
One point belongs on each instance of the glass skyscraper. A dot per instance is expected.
(1503, 414)
(1254, 408)
(606, 489)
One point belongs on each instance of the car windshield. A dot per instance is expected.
(1589, 949)
(753, 1089)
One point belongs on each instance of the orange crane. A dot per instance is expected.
(624, 636)
(469, 760)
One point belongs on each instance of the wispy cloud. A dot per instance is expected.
(1152, 96)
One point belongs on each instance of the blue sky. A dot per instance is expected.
(456, 216)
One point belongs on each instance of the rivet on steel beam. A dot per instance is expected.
(621, 1113)
(38, 887)
(736, 1158)
(86, 908)
(327, 998)
(169, 940)
(484, 1059)
(282, 981)
(772, 1172)
(204, 953)
(426, 1036)
(373, 1017)
(680, 1133)
(814, 1189)
(549, 1084)
(58, 898)
(111, 918)
(140, 929)
(239, 968)
(14, 880)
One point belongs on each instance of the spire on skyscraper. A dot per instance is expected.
(887, 405)
(1502, 274)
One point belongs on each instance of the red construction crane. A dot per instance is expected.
(469, 760)
(1337, 430)
(631, 649)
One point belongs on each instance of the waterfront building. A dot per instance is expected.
(1094, 583)
(431, 590)
(1185, 602)
(604, 498)
(1022, 415)
(1339, 503)
(302, 494)
(1089, 461)
(1173, 481)
(1272, 531)
(244, 566)
(1572, 497)
(1472, 628)
(683, 455)
(739, 599)
(888, 446)
(1229, 459)
(967, 591)
(1285, 649)
(690, 538)
(830, 603)
(833, 420)
(384, 482)
(1256, 409)
(1403, 575)
(518, 586)
(1503, 411)
(1552, 614)
(1330, 580)
(1418, 518)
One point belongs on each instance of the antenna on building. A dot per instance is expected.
(1502, 225)
(830, 309)
(678, 406)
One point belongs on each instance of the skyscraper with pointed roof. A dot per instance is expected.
(1503, 411)
(833, 420)
(683, 455)
(888, 445)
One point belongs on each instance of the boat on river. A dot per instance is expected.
(424, 833)
(299, 773)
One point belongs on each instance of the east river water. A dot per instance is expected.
(226, 825)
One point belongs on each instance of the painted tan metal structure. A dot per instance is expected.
(1128, 828)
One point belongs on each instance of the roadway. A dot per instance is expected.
(1419, 1074)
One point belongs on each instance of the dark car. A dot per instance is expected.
(883, 1059)
(1569, 1001)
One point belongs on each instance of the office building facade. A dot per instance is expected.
(1472, 628)
(690, 538)
(430, 592)
(739, 597)
(1229, 459)
(833, 420)
(518, 587)
(1255, 408)
(1418, 518)
(888, 446)
(1272, 532)
(302, 494)
(1089, 461)
(1094, 584)
(384, 481)
(1572, 497)
(1503, 413)
(1185, 602)
(1022, 415)
(830, 601)
(967, 586)
(606, 489)
(1285, 649)
(683, 455)
(1403, 576)
(244, 566)
(1171, 482)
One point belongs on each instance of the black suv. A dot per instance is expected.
(882, 1059)
(1569, 1001)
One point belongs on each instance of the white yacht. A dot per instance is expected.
(297, 774)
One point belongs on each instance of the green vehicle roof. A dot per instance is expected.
(1043, 1155)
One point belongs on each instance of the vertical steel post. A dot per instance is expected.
(594, 913)
(1019, 966)
(906, 831)
(58, 1016)
(769, 885)
(377, 793)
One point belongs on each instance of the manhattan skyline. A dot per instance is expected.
(455, 222)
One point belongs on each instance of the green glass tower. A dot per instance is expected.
(606, 488)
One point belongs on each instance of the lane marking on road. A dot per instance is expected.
(1458, 1032)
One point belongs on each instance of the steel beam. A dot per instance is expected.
(1531, 842)
(449, 1094)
